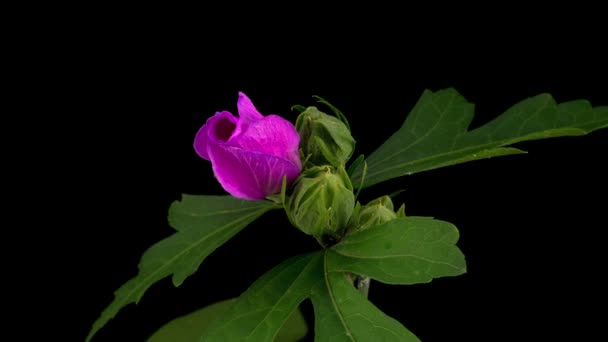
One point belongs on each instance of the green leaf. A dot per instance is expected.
(343, 314)
(203, 223)
(407, 250)
(259, 312)
(190, 327)
(435, 134)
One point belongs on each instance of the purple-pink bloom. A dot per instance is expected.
(250, 154)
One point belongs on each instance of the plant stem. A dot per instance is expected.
(362, 283)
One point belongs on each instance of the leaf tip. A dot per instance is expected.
(177, 280)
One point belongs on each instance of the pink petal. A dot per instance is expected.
(247, 110)
(200, 142)
(219, 128)
(272, 135)
(222, 126)
(250, 175)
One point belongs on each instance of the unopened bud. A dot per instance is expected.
(378, 211)
(322, 202)
(324, 138)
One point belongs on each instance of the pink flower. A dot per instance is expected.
(250, 154)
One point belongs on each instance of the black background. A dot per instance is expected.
(530, 224)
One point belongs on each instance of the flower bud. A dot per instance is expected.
(375, 212)
(250, 154)
(324, 138)
(322, 202)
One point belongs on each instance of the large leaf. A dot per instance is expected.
(343, 314)
(203, 223)
(436, 134)
(259, 312)
(341, 311)
(190, 327)
(407, 250)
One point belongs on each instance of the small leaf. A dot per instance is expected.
(203, 223)
(190, 327)
(355, 164)
(343, 314)
(364, 173)
(298, 108)
(401, 211)
(435, 134)
(259, 312)
(406, 250)
(396, 193)
(283, 191)
(336, 111)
